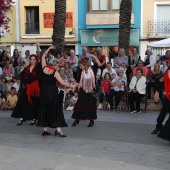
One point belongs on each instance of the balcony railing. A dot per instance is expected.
(159, 28)
(32, 28)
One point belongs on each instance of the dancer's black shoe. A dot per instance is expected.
(91, 123)
(75, 123)
(20, 122)
(45, 133)
(33, 122)
(59, 133)
(155, 131)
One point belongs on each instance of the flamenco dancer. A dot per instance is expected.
(85, 107)
(165, 130)
(50, 113)
(26, 108)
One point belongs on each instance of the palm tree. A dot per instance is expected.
(124, 24)
(58, 36)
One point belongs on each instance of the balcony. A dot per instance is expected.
(158, 28)
(32, 28)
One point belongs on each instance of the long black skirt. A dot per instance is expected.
(85, 107)
(51, 113)
(24, 109)
(165, 132)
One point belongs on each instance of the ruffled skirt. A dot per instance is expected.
(85, 107)
(51, 113)
(24, 109)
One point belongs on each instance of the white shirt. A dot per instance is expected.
(98, 72)
(113, 71)
(26, 61)
(16, 86)
(140, 84)
(117, 80)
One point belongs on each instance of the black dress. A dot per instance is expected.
(50, 111)
(165, 132)
(85, 107)
(24, 109)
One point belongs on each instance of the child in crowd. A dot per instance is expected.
(106, 85)
(17, 85)
(2, 99)
(8, 85)
(11, 100)
(73, 101)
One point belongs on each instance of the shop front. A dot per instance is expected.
(107, 39)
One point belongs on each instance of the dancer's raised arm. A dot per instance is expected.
(43, 61)
(96, 59)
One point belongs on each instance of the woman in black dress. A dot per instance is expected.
(50, 112)
(165, 131)
(85, 107)
(26, 108)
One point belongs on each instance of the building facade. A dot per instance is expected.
(155, 23)
(8, 38)
(98, 24)
(33, 22)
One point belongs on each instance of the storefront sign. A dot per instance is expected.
(49, 19)
(106, 37)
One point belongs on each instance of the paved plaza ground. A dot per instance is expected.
(118, 141)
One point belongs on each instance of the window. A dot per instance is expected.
(116, 4)
(32, 20)
(99, 5)
(103, 5)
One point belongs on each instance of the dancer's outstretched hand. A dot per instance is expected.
(73, 86)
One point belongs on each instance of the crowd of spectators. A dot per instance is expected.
(128, 75)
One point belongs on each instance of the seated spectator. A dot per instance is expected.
(11, 100)
(158, 58)
(121, 57)
(49, 57)
(166, 56)
(17, 85)
(118, 86)
(149, 61)
(132, 62)
(67, 70)
(123, 65)
(137, 90)
(2, 99)
(105, 89)
(16, 61)
(164, 66)
(8, 85)
(63, 60)
(140, 66)
(3, 59)
(85, 54)
(25, 60)
(8, 70)
(73, 101)
(134, 58)
(156, 81)
(2, 85)
(109, 70)
(73, 60)
(102, 59)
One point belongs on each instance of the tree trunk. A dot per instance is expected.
(124, 25)
(58, 36)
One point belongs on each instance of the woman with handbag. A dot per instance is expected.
(85, 108)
